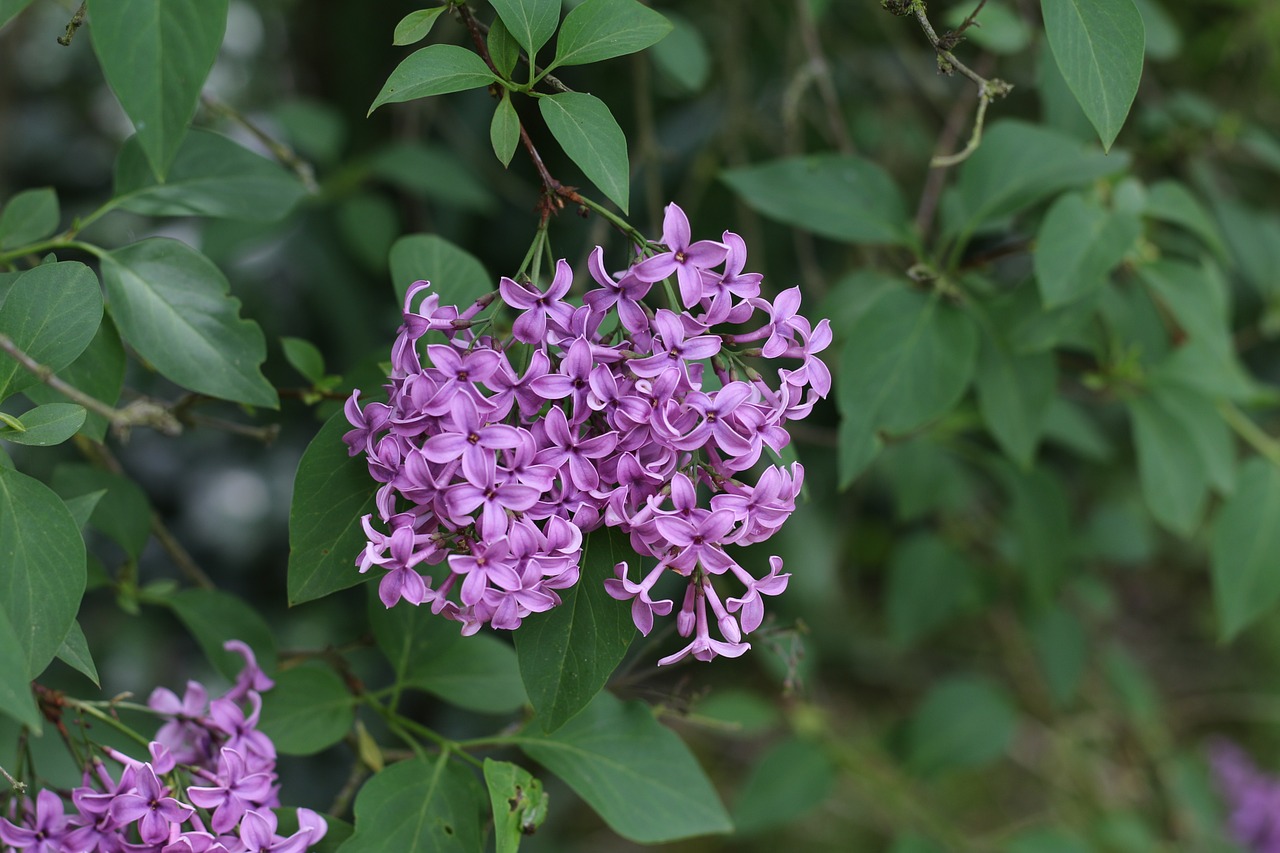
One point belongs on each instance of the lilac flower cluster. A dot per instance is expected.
(1252, 797)
(150, 808)
(497, 453)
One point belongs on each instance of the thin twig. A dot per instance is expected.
(74, 24)
(988, 89)
(822, 78)
(282, 152)
(140, 412)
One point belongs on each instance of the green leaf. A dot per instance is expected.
(414, 26)
(213, 617)
(1163, 39)
(1098, 45)
(51, 313)
(9, 9)
(504, 130)
(908, 360)
(963, 722)
(433, 172)
(304, 357)
(454, 273)
(1198, 298)
(530, 22)
(603, 29)
(1015, 391)
(74, 652)
(998, 28)
(558, 676)
(81, 507)
(792, 778)
(210, 176)
(588, 133)
(436, 69)
(1078, 245)
(834, 195)
(125, 515)
(1062, 649)
(503, 49)
(368, 223)
(1246, 539)
(1046, 841)
(929, 583)
(43, 556)
(924, 476)
(173, 305)
(1017, 165)
(427, 652)
(415, 805)
(1069, 426)
(156, 55)
(307, 711)
(1039, 518)
(16, 699)
(331, 492)
(519, 804)
(682, 57)
(45, 426)
(633, 771)
(98, 372)
(1174, 481)
(1171, 201)
(27, 217)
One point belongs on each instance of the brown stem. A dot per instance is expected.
(283, 153)
(74, 24)
(141, 412)
(822, 77)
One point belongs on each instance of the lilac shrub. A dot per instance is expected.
(208, 787)
(497, 453)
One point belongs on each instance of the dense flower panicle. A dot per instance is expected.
(496, 454)
(1252, 798)
(226, 807)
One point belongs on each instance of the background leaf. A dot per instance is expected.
(838, 196)
(210, 176)
(790, 779)
(51, 313)
(929, 583)
(602, 29)
(43, 557)
(173, 305)
(45, 426)
(963, 722)
(414, 805)
(27, 217)
(437, 69)
(156, 55)
(9, 9)
(331, 492)
(16, 699)
(428, 652)
(1098, 45)
(588, 133)
(124, 515)
(213, 617)
(98, 372)
(1078, 245)
(634, 772)
(415, 26)
(307, 711)
(558, 676)
(457, 275)
(1246, 540)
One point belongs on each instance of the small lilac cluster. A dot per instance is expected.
(497, 453)
(1252, 797)
(212, 744)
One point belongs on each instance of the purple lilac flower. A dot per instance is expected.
(492, 446)
(1252, 798)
